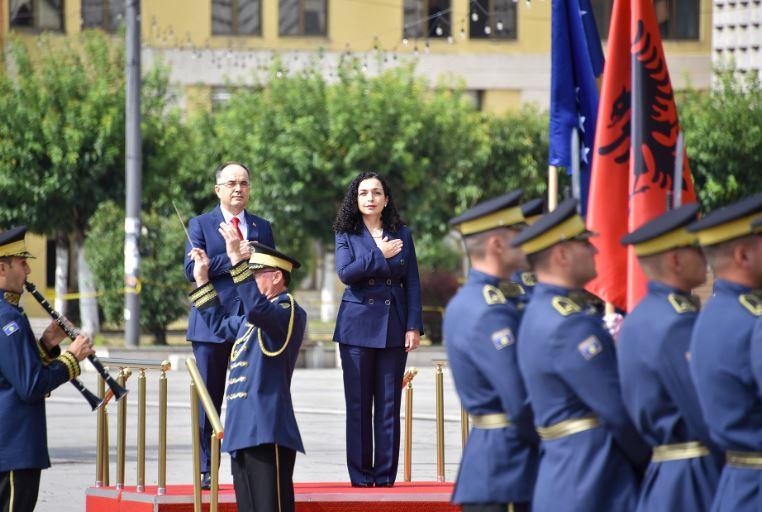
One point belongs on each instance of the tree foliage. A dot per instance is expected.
(723, 138)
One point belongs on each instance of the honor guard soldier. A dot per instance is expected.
(724, 363)
(261, 433)
(29, 370)
(499, 462)
(654, 344)
(532, 210)
(592, 455)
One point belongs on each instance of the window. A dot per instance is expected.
(105, 14)
(237, 17)
(492, 19)
(302, 17)
(427, 19)
(36, 14)
(678, 19)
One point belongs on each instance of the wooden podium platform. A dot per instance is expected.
(310, 497)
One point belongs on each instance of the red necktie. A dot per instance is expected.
(235, 221)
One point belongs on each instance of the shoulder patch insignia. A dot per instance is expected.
(681, 303)
(503, 338)
(10, 328)
(528, 278)
(493, 295)
(565, 306)
(590, 347)
(748, 300)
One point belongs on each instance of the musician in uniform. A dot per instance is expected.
(261, 433)
(232, 186)
(657, 389)
(725, 357)
(30, 369)
(592, 454)
(499, 462)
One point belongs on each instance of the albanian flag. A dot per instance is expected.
(635, 140)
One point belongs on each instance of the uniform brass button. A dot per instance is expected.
(387, 302)
(389, 282)
(371, 301)
(371, 282)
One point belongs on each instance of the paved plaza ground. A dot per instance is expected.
(319, 403)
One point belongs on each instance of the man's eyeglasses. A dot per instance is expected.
(233, 184)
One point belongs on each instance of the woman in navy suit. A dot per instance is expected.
(379, 322)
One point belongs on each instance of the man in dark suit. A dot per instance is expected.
(232, 186)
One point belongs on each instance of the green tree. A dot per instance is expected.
(723, 138)
(163, 284)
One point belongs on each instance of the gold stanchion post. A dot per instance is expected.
(196, 449)
(215, 476)
(463, 428)
(121, 436)
(440, 420)
(408, 385)
(99, 441)
(141, 478)
(162, 485)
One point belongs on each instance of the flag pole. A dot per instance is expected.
(677, 177)
(552, 187)
(575, 179)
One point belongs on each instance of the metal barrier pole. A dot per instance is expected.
(121, 436)
(99, 441)
(408, 431)
(165, 366)
(106, 454)
(215, 476)
(440, 420)
(141, 479)
(463, 427)
(196, 448)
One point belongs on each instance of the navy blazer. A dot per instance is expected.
(203, 232)
(375, 285)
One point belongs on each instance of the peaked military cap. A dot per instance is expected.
(533, 210)
(265, 256)
(563, 223)
(732, 221)
(665, 232)
(12, 243)
(503, 210)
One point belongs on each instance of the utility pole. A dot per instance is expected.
(133, 170)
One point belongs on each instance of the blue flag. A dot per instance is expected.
(576, 59)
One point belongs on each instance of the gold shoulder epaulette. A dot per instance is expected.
(681, 303)
(565, 305)
(752, 302)
(528, 278)
(493, 295)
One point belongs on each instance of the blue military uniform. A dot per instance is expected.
(211, 351)
(654, 346)
(28, 373)
(725, 365)
(499, 462)
(260, 412)
(592, 455)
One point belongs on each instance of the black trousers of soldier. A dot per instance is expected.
(496, 507)
(18, 490)
(263, 478)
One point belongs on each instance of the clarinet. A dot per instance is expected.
(119, 391)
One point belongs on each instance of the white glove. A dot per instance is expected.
(613, 324)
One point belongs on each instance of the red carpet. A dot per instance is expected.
(310, 497)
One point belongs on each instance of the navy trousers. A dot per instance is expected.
(373, 394)
(212, 361)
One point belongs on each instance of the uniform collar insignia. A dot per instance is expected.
(752, 302)
(512, 290)
(11, 297)
(684, 303)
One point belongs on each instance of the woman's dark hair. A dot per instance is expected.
(349, 219)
